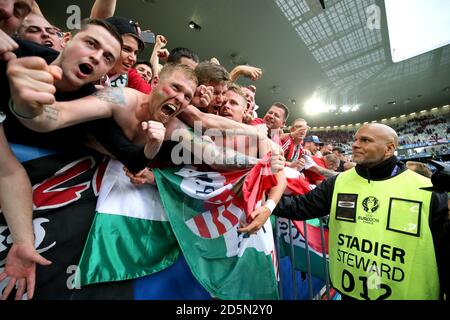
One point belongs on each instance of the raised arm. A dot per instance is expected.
(247, 71)
(68, 113)
(36, 10)
(103, 9)
(208, 152)
(212, 121)
(32, 88)
(261, 214)
(158, 53)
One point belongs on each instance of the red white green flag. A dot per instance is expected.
(205, 210)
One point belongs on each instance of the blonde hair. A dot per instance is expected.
(170, 68)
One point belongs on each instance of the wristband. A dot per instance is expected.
(15, 113)
(2, 117)
(270, 204)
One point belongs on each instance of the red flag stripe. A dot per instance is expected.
(230, 216)
(201, 226)
(220, 227)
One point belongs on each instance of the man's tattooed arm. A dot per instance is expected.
(324, 172)
(51, 113)
(113, 95)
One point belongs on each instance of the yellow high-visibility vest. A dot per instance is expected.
(380, 243)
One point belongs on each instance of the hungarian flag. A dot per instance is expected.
(205, 210)
(131, 236)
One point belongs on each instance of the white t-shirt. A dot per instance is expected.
(2, 117)
(309, 162)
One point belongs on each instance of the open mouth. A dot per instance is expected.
(86, 68)
(169, 109)
(48, 43)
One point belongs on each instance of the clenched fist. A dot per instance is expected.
(155, 132)
(31, 82)
(202, 97)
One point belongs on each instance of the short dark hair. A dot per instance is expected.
(282, 106)
(102, 23)
(208, 71)
(339, 149)
(147, 63)
(177, 53)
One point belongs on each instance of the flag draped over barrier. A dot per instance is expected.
(132, 233)
(131, 236)
(204, 209)
(198, 213)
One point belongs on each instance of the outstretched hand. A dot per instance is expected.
(21, 269)
(259, 216)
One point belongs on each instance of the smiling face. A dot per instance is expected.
(37, 29)
(145, 72)
(274, 118)
(88, 56)
(373, 144)
(128, 55)
(171, 96)
(311, 146)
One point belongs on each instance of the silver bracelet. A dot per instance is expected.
(15, 113)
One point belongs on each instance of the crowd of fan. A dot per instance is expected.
(141, 102)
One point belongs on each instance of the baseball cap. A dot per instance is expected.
(314, 139)
(127, 26)
(341, 150)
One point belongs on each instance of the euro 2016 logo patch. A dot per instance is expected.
(370, 206)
